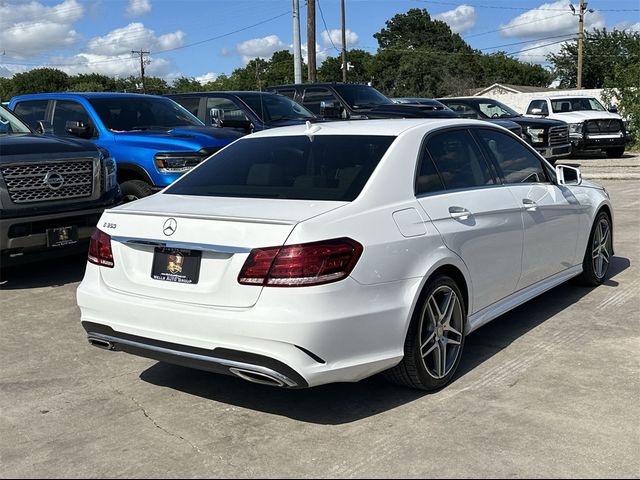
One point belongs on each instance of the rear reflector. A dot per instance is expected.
(100, 249)
(301, 265)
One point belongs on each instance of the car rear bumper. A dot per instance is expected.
(340, 332)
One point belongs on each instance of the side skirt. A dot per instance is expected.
(487, 314)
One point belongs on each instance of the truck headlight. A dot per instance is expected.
(575, 128)
(177, 162)
(536, 134)
(109, 169)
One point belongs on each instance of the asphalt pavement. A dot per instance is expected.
(550, 389)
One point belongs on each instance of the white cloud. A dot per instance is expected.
(265, 47)
(123, 65)
(138, 7)
(460, 19)
(260, 47)
(628, 26)
(134, 36)
(30, 29)
(206, 78)
(336, 36)
(549, 19)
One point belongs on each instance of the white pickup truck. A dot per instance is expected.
(591, 126)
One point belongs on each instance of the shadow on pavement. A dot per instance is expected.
(342, 403)
(46, 273)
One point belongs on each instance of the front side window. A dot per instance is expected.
(516, 163)
(313, 97)
(230, 110)
(275, 108)
(125, 114)
(458, 160)
(190, 103)
(32, 111)
(324, 167)
(538, 104)
(68, 111)
(362, 96)
(495, 109)
(463, 110)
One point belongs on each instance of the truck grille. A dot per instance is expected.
(40, 182)
(558, 135)
(604, 126)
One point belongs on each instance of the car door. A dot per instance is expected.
(32, 112)
(70, 111)
(477, 217)
(550, 214)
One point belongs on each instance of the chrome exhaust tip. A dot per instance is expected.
(100, 343)
(257, 377)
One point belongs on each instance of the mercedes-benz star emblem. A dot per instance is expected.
(170, 227)
(53, 180)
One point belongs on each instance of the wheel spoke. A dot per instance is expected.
(431, 349)
(443, 362)
(438, 358)
(452, 342)
(435, 316)
(450, 308)
(449, 328)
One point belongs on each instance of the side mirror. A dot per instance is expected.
(613, 108)
(568, 175)
(217, 117)
(78, 129)
(330, 109)
(44, 128)
(537, 111)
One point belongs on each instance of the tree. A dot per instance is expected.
(362, 67)
(91, 82)
(604, 54)
(40, 80)
(499, 68)
(184, 84)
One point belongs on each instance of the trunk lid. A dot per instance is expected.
(223, 229)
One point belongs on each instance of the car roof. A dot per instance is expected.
(222, 92)
(86, 95)
(319, 84)
(391, 127)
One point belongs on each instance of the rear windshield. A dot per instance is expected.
(324, 167)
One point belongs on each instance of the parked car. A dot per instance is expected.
(306, 255)
(152, 139)
(245, 111)
(591, 126)
(52, 192)
(549, 137)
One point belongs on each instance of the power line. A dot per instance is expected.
(326, 29)
(508, 27)
(524, 9)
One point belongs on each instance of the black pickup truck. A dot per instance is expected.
(52, 192)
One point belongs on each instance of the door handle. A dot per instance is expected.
(529, 205)
(459, 213)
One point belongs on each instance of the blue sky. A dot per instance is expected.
(81, 36)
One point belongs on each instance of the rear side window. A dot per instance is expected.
(458, 160)
(190, 103)
(313, 97)
(324, 167)
(516, 163)
(229, 107)
(32, 112)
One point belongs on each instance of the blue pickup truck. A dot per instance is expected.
(152, 139)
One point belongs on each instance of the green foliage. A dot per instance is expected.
(40, 80)
(624, 86)
(362, 67)
(91, 82)
(500, 68)
(604, 53)
(184, 84)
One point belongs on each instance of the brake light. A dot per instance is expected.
(100, 249)
(301, 265)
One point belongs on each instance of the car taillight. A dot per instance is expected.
(301, 265)
(100, 249)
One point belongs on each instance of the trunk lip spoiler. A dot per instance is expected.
(204, 217)
(180, 245)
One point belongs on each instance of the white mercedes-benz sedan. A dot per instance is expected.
(329, 252)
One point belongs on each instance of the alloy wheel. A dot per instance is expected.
(600, 248)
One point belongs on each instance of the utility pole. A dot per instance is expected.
(143, 62)
(297, 54)
(344, 44)
(311, 39)
(581, 12)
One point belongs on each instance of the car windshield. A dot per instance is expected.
(10, 124)
(125, 114)
(362, 96)
(560, 105)
(493, 109)
(321, 167)
(274, 108)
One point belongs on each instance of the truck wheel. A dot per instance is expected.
(617, 152)
(135, 189)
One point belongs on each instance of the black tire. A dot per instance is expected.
(617, 152)
(590, 275)
(135, 189)
(414, 370)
